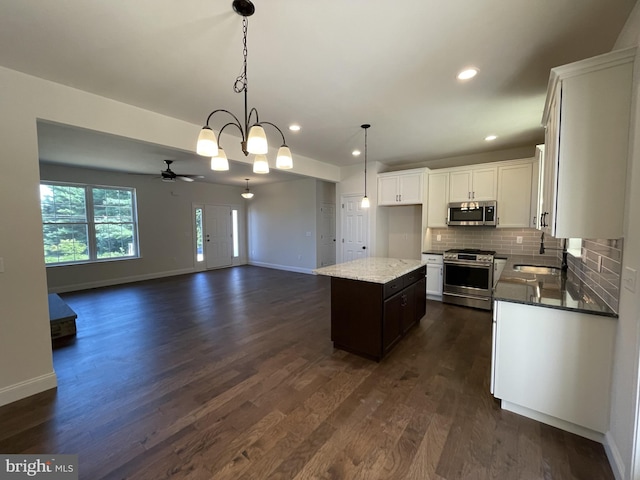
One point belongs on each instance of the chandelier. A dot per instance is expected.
(254, 139)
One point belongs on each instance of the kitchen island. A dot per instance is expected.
(374, 303)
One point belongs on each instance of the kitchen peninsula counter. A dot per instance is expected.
(374, 303)
(563, 291)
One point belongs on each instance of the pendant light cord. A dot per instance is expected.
(365, 162)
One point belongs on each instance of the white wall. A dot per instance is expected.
(25, 340)
(25, 346)
(282, 225)
(624, 397)
(404, 230)
(165, 227)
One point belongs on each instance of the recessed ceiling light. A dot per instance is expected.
(294, 127)
(490, 138)
(356, 153)
(467, 73)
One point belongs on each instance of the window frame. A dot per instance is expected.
(92, 241)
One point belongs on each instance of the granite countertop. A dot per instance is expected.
(373, 269)
(562, 291)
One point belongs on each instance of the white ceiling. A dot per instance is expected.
(328, 65)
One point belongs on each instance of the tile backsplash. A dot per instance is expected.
(502, 240)
(605, 283)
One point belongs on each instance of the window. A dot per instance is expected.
(234, 233)
(199, 236)
(85, 223)
(574, 247)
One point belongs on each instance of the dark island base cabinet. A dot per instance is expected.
(369, 319)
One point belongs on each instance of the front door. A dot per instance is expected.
(218, 236)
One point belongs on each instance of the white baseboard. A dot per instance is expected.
(613, 454)
(25, 389)
(554, 422)
(120, 280)
(288, 268)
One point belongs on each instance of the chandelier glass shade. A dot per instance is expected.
(260, 164)
(254, 138)
(220, 163)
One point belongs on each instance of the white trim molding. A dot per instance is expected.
(25, 389)
(287, 268)
(613, 454)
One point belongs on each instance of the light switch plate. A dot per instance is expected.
(629, 276)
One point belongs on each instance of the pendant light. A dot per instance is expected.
(365, 199)
(254, 138)
(247, 193)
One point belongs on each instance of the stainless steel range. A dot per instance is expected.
(468, 277)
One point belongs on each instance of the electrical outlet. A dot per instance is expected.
(518, 239)
(438, 238)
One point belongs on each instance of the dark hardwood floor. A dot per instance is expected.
(230, 374)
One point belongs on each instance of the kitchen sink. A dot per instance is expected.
(537, 269)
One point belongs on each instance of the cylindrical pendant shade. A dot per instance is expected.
(365, 202)
(257, 141)
(284, 160)
(260, 164)
(220, 163)
(207, 145)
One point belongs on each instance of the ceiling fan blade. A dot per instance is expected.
(185, 179)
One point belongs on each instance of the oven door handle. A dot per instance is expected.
(467, 263)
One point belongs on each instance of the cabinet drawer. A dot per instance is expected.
(393, 287)
(412, 277)
(432, 258)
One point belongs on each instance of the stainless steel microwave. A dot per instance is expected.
(472, 214)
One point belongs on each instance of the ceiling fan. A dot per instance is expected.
(169, 175)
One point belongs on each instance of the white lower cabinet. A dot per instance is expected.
(434, 275)
(554, 366)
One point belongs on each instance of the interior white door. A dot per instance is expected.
(355, 228)
(218, 240)
(327, 234)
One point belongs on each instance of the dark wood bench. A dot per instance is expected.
(63, 319)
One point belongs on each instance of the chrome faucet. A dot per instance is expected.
(564, 265)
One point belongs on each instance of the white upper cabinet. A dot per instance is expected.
(587, 117)
(400, 188)
(514, 195)
(437, 199)
(473, 184)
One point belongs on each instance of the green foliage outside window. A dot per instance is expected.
(83, 223)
